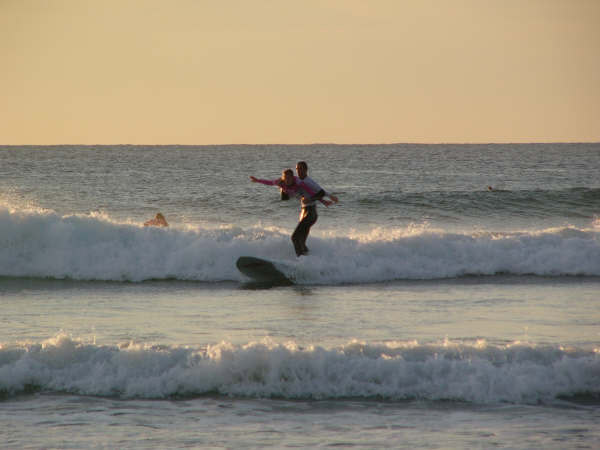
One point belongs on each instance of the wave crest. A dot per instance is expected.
(476, 372)
(92, 247)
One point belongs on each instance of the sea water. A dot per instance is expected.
(432, 311)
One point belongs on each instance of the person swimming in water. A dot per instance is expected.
(158, 221)
(295, 187)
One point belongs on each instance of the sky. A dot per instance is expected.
(299, 72)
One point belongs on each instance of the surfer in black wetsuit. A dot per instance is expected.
(308, 215)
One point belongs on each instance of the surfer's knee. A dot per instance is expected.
(295, 240)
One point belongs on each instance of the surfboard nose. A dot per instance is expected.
(261, 270)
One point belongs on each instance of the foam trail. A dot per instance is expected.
(44, 244)
(477, 373)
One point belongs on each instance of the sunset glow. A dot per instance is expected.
(205, 72)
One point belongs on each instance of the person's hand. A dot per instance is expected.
(253, 179)
(327, 203)
(334, 198)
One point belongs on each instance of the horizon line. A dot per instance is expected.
(304, 145)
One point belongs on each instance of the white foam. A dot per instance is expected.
(38, 243)
(518, 373)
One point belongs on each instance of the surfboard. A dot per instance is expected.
(262, 271)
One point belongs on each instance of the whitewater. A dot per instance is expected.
(92, 247)
(450, 299)
(476, 372)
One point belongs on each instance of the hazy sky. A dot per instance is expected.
(302, 71)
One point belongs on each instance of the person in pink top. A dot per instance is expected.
(294, 187)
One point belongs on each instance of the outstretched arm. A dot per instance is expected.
(267, 182)
(312, 195)
(331, 196)
(320, 196)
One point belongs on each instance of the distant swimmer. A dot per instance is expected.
(293, 186)
(158, 221)
(490, 188)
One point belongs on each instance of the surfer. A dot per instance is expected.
(158, 221)
(309, 209)
(293, 186)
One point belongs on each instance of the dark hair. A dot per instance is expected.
(302, 164)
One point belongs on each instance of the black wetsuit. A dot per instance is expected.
(308, 219)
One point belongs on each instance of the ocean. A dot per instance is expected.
(451, 299)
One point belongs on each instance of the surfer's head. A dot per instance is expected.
(287, 177)
(302, 169)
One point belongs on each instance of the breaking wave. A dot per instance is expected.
(475, 372)
(92, 247)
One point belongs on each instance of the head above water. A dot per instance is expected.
(302, 169)
(287, 177)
